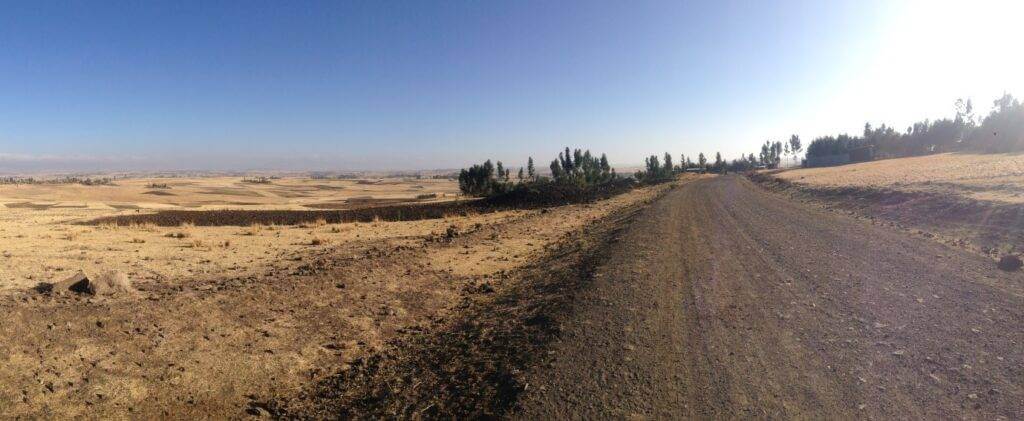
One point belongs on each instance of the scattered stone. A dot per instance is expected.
(258, 409)
(1010, 263)
(109, 283)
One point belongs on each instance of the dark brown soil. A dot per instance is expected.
(27, 205)
(472, 363)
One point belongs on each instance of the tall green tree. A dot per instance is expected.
(794, 145)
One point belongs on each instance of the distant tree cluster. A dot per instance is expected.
(576, 167)
(479, 180)
(655, 170)
(581, 168)
(85, 181)
(661, 169)
(1002, 130)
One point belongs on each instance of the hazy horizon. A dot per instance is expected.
(372, 86)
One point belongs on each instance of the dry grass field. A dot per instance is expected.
(972, 201)
(220, 315)
(200, 193)
(41, 241)
(990, 177)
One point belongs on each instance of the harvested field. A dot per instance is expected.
(987, 177)
(221, 192)
(526, 198)
(969, 201)
(221, 315)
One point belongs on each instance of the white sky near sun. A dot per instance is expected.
(922, 57)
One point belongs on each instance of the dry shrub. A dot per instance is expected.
(317, 223)
(178, 234)
(335, 229)
(146, 226)
(71, 236)
(196, 243)
(254, 229)
(316, 241)
(137, 241)
(226, 244)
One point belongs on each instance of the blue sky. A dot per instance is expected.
(418, 85)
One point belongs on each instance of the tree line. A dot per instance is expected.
(85, 181)
(1002, 130)
(581, 168)
(573, 167)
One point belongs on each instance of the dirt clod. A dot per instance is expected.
(1009, 263)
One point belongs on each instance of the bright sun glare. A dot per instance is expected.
(921, 58)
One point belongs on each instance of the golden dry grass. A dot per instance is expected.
(241, 308)
(198, 193)
(996, 177)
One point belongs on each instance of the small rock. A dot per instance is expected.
(258, 410)
(110, 283)
(1010, 263)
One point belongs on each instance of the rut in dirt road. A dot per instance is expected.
(723, 301)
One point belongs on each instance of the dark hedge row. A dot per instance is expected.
(526, 196)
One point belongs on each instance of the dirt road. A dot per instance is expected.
(724, 301)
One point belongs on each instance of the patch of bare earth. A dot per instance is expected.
(270, 323)
(471, 362)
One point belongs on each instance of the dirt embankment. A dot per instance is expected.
(532, 197)
(990, 228)
(473, 362)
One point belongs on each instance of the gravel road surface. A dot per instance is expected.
(722, 300)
